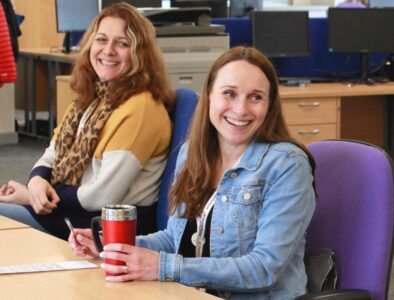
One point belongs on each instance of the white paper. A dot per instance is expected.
(45, 267)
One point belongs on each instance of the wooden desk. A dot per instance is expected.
(21, 246)
(336, 110)
(6, 223)
(39, 85)
(49, 54)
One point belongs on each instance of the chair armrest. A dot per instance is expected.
(338, 295)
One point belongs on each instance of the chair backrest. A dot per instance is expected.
(354, 213)
(186, 101)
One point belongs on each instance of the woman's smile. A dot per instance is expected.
(237, 123)
(238, 103)
(110, 54)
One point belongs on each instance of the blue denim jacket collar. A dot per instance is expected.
(253, 156)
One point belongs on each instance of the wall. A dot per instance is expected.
(39, 27)
(7, 115)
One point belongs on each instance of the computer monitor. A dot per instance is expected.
(218, 7)
(74, 16)
(363, 31)
(381, 3)
(281, 33)
(243, 8)
(135, 3)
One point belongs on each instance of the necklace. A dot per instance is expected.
(198, 239)
(87, 114)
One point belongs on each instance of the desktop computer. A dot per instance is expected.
(388, 68)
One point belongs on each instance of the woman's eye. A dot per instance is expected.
(256, 97)
(123, 44)
(229, 93)
(100, 40)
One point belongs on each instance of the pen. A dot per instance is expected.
(70, 226)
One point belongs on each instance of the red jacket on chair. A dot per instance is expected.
(7, 61)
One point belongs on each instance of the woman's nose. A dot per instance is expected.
(240, 106)
(109, 48)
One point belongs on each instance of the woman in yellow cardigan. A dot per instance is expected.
(112, 144)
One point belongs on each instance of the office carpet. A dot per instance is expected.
(17, 160)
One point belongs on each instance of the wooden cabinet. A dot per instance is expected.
(312, 119)
(335, 110)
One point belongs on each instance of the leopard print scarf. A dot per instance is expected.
(74, 147)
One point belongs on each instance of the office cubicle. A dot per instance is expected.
(321, 64)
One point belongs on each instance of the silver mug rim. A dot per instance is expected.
(119, 212)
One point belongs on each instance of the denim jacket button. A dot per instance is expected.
(220, 229)
(233, 175)
(247, 196)
(224, 199)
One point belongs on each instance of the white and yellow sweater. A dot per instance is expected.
(127, 164)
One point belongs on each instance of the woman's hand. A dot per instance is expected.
(14, 193)
(83, 244)
(43, 197)
(141, 263)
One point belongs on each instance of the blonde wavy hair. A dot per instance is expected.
(146, 72)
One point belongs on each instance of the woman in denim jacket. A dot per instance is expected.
(242, 198)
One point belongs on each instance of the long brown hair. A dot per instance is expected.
(194, 182)
(147, 71)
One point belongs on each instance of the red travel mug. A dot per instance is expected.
(118, 225)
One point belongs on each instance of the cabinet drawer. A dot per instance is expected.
(310, 111)
(311, 133)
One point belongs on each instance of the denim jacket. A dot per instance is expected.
(262, 209)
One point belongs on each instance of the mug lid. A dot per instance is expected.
(119, 212)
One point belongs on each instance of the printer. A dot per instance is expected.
(188, 41)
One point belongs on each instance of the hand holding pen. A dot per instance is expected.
(81, 241)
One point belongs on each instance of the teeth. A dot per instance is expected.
(237, 122)
(108, 63)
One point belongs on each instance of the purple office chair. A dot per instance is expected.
(353, 216)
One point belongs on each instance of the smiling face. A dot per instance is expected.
(239, 102)
(110, 53)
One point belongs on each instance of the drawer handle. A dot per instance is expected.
(313, 104)
(306, 132)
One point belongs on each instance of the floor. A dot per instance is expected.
(16, 162)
